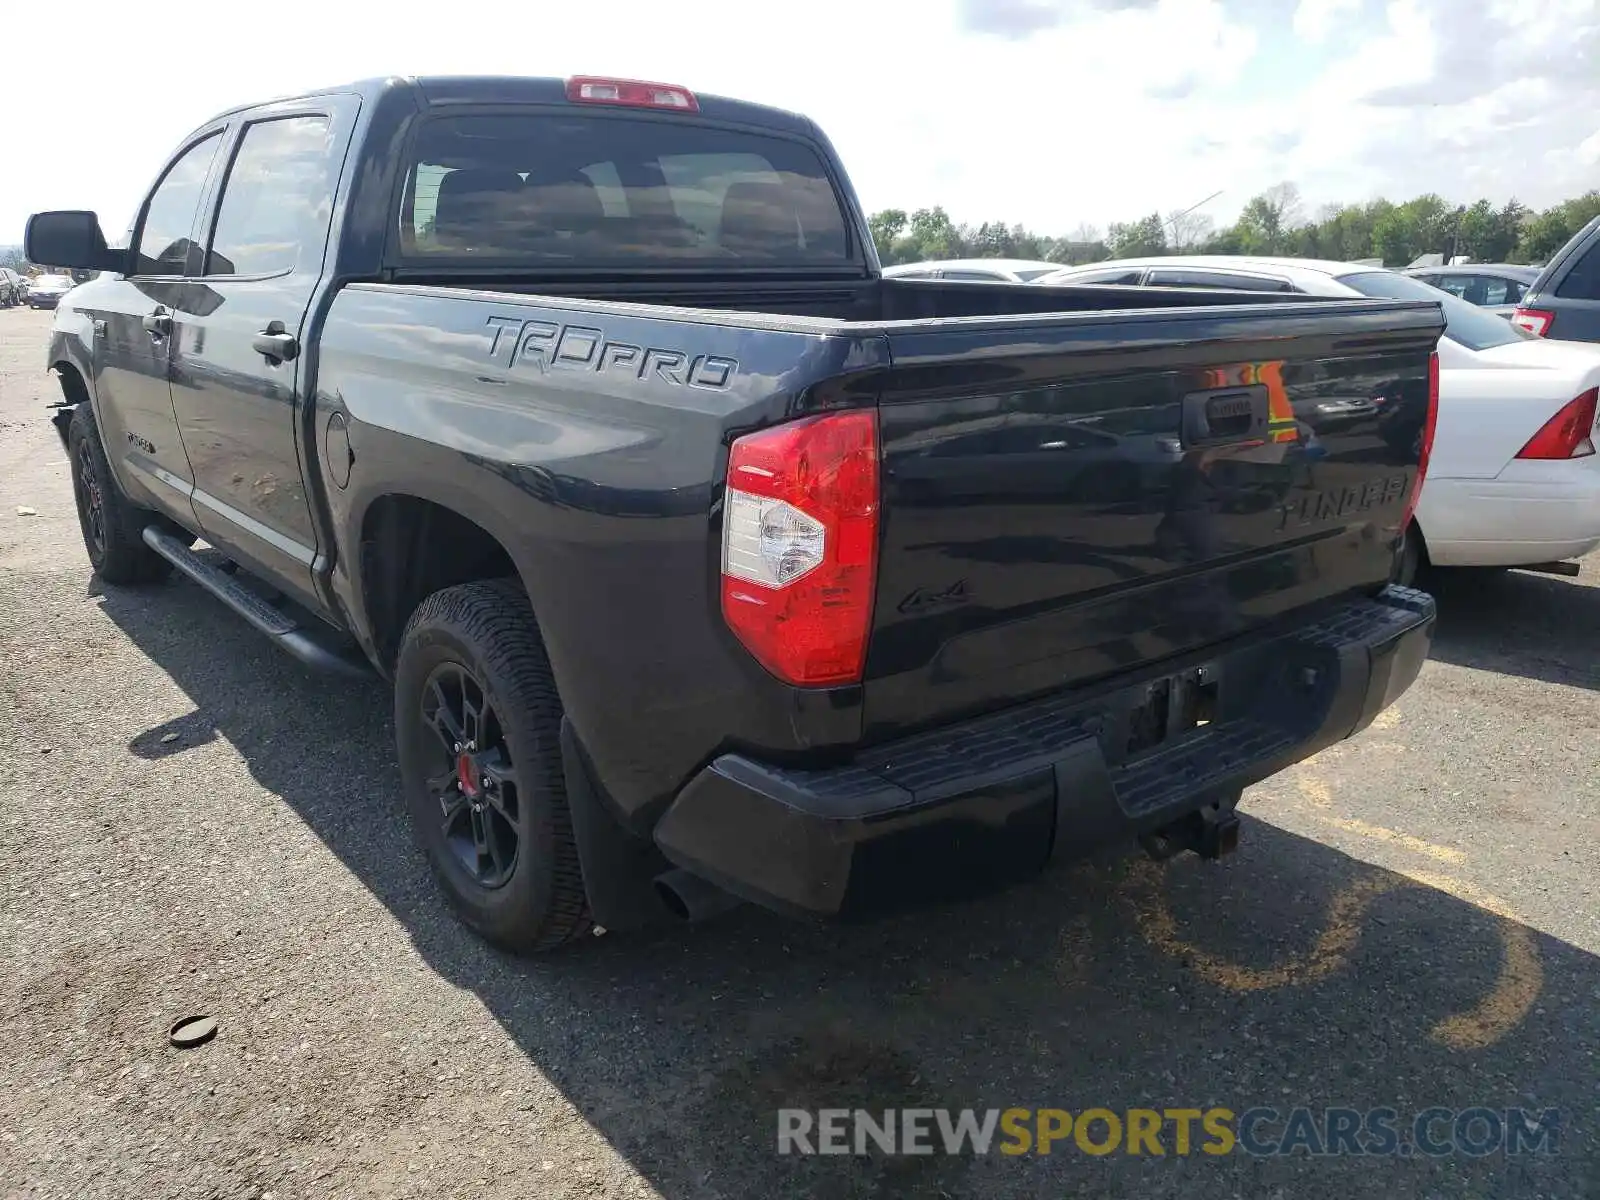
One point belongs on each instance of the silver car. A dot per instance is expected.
(1499, 287)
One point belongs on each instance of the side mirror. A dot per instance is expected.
(69, 239)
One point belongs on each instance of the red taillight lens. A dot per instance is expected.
(1568, 434)
(632, 93)
(800, 546)
(1425, 443)
(1534, 320)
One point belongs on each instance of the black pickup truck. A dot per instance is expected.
(705, 562)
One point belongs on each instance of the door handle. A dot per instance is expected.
(276, 344)
(158, 324)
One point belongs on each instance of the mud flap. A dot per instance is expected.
(618, 867)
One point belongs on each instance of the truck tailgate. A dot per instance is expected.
(1067, 498)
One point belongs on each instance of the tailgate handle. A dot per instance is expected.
(1223, 415)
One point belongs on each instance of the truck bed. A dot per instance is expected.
(856, 300)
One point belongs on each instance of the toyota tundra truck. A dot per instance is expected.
(707, 564)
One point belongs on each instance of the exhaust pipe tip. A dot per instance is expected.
(690, 898)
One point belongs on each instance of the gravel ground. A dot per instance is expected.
(190, 823)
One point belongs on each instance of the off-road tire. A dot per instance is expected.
(489, 628)
(119, 554)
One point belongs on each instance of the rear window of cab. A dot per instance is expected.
(545, 189)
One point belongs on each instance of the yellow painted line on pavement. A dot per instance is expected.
(1502, 1009)
(1319, 795)
(1382, 833)
(1518, 985)
(1341, 931)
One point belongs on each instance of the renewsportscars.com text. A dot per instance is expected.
(1265, 1132)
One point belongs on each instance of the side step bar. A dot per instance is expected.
(276, 624)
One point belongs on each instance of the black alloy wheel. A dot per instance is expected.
(478, 731)
(476, 784)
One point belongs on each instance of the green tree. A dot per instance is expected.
(1489, 234)
(1344, 232)
(992, 239)
(886, 227)
(1508, 229)
(932, 235)
(1551, 229)
(1475, 232)
(1267, 219)
(1143, 237)
(1545, 234)
(1270, 224)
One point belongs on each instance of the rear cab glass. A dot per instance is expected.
(548, 188)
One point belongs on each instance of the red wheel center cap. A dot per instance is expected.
(466, 775)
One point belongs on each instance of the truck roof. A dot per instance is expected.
(445, 90)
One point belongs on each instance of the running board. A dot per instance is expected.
(275, 623)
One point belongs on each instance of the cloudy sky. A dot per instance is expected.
(1048, 112)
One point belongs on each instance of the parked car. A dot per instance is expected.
(1564, 301)
(990, 270)
(595, 453)
(11, 288)
(45, 291)
(1495, 286)
(1513, 480)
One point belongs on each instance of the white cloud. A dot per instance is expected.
(1045, 112)
(1315, 20)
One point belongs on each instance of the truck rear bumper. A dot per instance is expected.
(997, 798)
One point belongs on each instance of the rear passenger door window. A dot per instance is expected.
(277, 200)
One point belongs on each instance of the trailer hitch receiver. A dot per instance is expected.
(1211, 832)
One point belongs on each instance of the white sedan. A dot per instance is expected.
(1513, 479)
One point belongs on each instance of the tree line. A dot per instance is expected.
(1273, 223)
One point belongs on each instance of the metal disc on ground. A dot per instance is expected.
(192, 1031)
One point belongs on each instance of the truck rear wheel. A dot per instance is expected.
(113, 527)
(478, 722)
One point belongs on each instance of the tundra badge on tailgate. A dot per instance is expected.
(548, 346)
(1338, 503)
